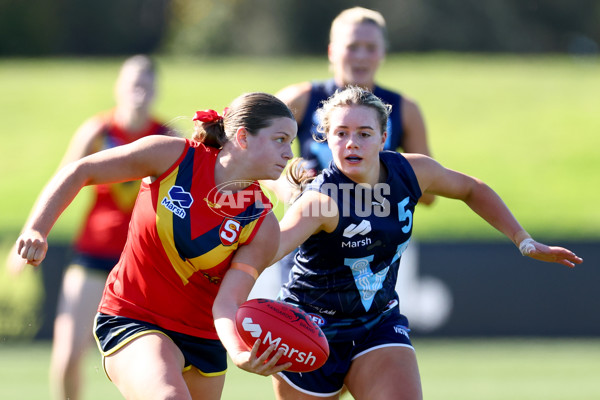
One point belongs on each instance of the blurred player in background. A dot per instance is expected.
(353, 223)
(102, 236)
(357, 47)
(200, 234)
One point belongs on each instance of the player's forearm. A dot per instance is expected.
(489, 206)
(224, 317)
(225, 327)
(55, 198)
(235, 287)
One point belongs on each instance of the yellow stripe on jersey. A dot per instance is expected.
(164, 218)
(221, 252)
(124, 194)
(247, 231)
(186, 268)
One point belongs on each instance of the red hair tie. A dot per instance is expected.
(207, 116)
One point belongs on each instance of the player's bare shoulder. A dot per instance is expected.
(159, 151)
(162, 143)
(411, 112)
(296, 97)
(90, 129)
(426, 169)
(86, 140)
(410, 106)
(420, 162)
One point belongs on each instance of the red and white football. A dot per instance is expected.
(286, 326)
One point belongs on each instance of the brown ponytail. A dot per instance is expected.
(297, 175)
(210, 133)
(253, 111)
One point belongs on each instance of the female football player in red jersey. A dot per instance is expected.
(102, 236)
(200, 234)
(353, 222)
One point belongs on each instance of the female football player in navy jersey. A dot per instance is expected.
(200, 233)
(357, 47)
(352, 223)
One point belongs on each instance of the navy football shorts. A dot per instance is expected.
(94, 263)
(114, 332)
(350, 341)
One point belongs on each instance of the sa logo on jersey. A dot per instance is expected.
(229, 232)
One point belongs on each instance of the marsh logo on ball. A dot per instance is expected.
(229, 232)
(287, 328)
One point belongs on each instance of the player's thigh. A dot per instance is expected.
(149, 366)
(202, 386)
(283, 391)
(385, 373)
(80, 294)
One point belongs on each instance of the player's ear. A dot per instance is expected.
(329, 51)
(241, 137)
(383, 139)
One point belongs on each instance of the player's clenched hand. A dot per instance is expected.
(32, 247)
(560, 255)
(263, 365)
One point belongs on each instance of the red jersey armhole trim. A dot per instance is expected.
(172, 167)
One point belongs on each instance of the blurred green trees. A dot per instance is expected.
(274, 27)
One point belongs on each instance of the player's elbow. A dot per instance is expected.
(478, 192)
(426, 199)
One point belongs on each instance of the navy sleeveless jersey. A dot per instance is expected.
(352, 271)
(318, 154)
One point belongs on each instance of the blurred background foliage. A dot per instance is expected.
(280, 27)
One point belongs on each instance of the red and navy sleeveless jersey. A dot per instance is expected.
(104, 229)
(318, 155)
(183, 234)
(352, 271)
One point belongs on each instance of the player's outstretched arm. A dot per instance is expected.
(81, 145)
(149, 156)
(441, 181)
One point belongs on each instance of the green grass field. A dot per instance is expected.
(528, 126)
(490, 369)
